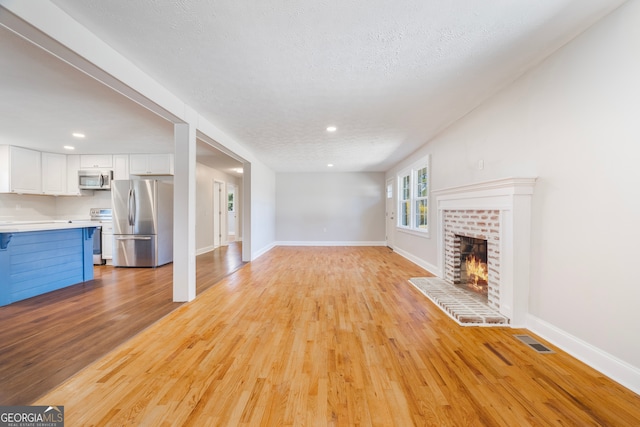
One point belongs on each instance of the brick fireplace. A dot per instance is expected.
(499, 212)
(479, 224)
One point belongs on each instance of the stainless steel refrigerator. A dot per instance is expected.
(142, 223)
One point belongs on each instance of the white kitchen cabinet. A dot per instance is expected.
(96, 161)
(20, 170)
(151, 164)
(54, 174)
(120, 166)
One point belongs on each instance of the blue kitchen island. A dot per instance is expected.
(36, 258)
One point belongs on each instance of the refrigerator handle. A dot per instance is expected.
(129, 217)
(134, 212)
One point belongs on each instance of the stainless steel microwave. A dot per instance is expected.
(95, 179)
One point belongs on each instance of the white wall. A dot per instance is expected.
(341, 208)
(262, 209)
(573, 123)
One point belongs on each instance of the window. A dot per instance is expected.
(230, 204)
(421, 206)
(405, 200)
(414, 197)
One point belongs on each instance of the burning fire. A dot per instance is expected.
(477, 272)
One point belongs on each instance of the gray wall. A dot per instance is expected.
(341, 208)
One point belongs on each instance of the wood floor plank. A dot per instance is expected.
(46, 339)
(333, 336)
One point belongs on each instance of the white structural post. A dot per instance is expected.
(184, 213)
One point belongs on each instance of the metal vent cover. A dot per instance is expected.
(534, 344)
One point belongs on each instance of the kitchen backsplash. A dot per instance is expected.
(18, 207)
(22, 207)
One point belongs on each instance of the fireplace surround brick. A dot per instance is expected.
(479, 224)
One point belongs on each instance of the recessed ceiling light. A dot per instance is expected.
(69, 147)
(78, 135)
(332, 129)
(330, 165)
(239, 170)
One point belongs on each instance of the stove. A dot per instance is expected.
(100, 214)
(103, 235)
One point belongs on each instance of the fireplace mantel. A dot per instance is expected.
(512, 198)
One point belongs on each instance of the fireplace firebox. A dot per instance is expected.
(474, 273)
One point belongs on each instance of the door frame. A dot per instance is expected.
(390, 209)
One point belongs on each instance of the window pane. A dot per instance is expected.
(421, 182)
(421, 213)
(405, 187)
(404, 213)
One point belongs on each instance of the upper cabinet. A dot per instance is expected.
(25, 171)
(96, 161)
(120, 166)
(151, 164)
(54, 174)
(20, 170)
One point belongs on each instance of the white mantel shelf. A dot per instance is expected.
(512, 197)
(504, 186)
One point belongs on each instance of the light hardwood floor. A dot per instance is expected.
(46, 339)
(333, 336)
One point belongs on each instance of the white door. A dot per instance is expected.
(217, 213)
(231, 210)
(390, 213)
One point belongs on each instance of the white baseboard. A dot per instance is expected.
(609, 365)
(325, 243)
(204, 250)
(419, 262)
(263, 251)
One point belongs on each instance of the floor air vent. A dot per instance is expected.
(534, 344)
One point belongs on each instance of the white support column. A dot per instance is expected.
(184, 213)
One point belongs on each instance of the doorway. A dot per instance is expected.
(231, 212)
(390, 216)
(218, 219)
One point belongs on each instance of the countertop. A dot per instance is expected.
(26, 226)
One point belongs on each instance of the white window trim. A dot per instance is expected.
(400, 200)
(412, 172)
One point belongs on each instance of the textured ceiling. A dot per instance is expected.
(45, 99)
(390, 75)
